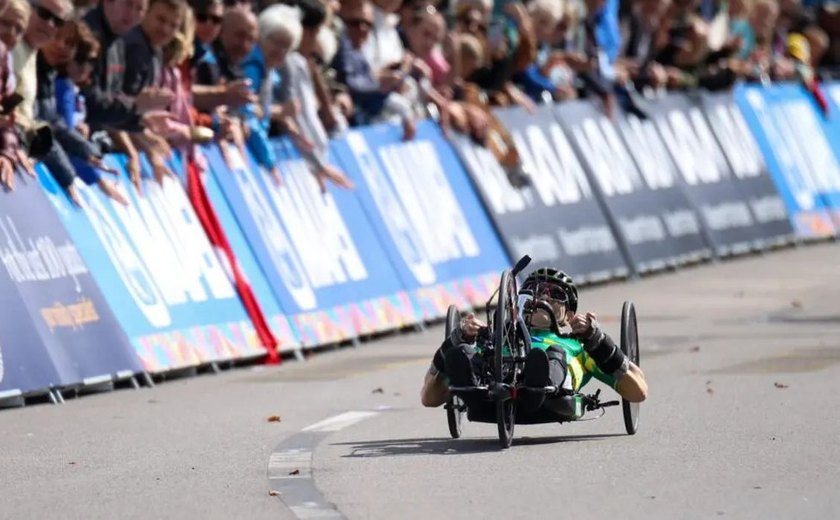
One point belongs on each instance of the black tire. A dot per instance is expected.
(630, 347)
(504, 334)
(455, 407)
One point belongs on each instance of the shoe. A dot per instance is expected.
(458, 366)
(536, 371)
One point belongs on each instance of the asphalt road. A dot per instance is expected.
(742, 358)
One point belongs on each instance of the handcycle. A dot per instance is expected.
(505, 343)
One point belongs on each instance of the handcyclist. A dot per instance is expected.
(567, 361)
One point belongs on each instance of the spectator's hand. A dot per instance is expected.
(658, 75)
(302, 143)
(675, 77)
(470, 327)
(238, 93)
(345, 104)
(409, 129)
(389, 80)
(111, 191)
(328, 173)
(275, 176)
(133, 167)
(153, 98)
(578, 62)
(99, 163)
(159, 169)
(565, 93)
(73, 196)
(84, 130)
(419, 69)
(784, 69)
(328, 119)
(7, 172)
(26, 163)
(157, 121)
(609, 106)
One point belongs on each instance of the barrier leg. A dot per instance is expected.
(147, 378)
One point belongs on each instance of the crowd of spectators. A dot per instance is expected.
(156, 77)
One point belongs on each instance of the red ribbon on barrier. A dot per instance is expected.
(207, 215)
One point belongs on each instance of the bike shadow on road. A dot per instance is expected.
(448, 446)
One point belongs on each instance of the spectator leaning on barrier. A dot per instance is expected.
(108, 107)
(144, 73)
(47, 17)
(375, 99)
(298, 90)
(13, 21)
(85, 157)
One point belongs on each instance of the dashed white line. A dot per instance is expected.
(339, 422)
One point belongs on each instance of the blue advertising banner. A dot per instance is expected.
(707, 179)
(748, 167)
(317, 250)
(422, 206)
(159, 273)
(25, 363)
(557, 219)
(277, 319)
(798, 155)
(58, 292)
(648, 210)
(831, 125)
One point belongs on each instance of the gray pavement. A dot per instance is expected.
(718, 436)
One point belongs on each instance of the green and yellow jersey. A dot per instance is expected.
(579, 365)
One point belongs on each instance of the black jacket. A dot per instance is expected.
(107, 106)
(144, 68)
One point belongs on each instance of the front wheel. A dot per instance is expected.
(455, 407)
(506, 418)
(630, 347)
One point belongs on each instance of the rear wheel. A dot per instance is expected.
(455, 407)
(504, 341)
(630, 347)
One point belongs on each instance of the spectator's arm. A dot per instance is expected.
(73, 142)
(107, 109)
(59, 165)
(533, 82)
(65, 97)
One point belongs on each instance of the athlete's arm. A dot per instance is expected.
(435, 391)
(632, 385)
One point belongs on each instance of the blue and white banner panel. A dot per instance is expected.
(72, 332)
(706, 177)
(159, 273)
(426, 214)
(557, 218)
(318, 251)
(650, 215)
(798, 154)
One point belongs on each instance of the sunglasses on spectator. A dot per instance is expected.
(207, 17)
(358, 23)
(48, 16)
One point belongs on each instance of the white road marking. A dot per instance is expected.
(282, 463)
(339, 422)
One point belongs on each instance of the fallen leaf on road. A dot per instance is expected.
(397, 394)
(780, 385)
(796, 303)
(695, 348)
(378, 391)
(273, 418)
(294, 472)
(72, 463)
(708, 382)
(710, 391)
(273, 493)
(756, 487)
